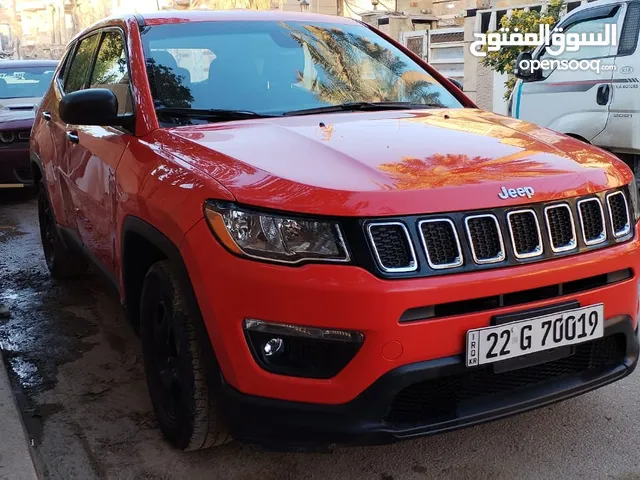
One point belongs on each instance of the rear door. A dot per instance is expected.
(574, 101)
(45, 128)
(93, 152)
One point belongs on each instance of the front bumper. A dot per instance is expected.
(15, 171)
(229, 289)
(369, 419)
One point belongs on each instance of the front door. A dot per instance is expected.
(93, 154)
(75, 76)
(574, 101)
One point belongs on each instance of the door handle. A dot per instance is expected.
(602, 97)
(73, 137)
(46, 116)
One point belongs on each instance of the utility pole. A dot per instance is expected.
(16, 30)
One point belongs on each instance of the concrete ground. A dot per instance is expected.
(16, 461)
(77, 374)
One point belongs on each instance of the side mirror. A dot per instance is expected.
(527, 72)
(455, 82)
(94, 106)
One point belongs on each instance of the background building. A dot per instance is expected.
(439, 31)
(41, 28)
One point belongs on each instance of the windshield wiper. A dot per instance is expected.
(209, 113)
(362, 106)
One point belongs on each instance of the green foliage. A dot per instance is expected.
(503, 61)
(345, 63)
(167, 88)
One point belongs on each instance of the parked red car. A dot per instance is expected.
(22, 84)
(321, 240)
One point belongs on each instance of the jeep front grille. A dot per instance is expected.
(592, 221)
(526, 239)
(485, 238)
(441, 243)
(618, 214)
(464, 241)
(562, 230)
(392, 247)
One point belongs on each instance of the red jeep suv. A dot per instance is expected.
(321, 240)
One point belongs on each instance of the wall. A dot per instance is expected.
(498, 103)
(42, 28)
(484, 86)
(324, 7)
(480, 82)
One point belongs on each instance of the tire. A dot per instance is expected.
(62, 261)
(182, 398)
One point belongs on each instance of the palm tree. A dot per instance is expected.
(448, 170)
(348, 68)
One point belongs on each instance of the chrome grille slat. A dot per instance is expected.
(618, 214)
(571, 226)
(448, 254)
(480, 227)
(556, 224)
(593, 228)
(520, 229)
(385, 263)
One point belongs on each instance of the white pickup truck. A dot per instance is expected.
(602, 108)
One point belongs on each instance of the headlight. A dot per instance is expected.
(633, 193)
(276, 237)
(7, 137)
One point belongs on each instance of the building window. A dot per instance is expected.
(485, 19)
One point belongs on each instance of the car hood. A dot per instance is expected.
(17, 108)
(394, 162)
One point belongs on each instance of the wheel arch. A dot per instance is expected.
(578, 137)
(36, 167)
(142, 246)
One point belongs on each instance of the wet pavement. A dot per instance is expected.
(76, 370)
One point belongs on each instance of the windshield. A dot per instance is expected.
(273, 68)
(25, 82)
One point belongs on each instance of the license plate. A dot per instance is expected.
(515, 339)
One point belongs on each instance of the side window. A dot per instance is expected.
(594, 25)
(111, 70)
(78, 73)
(64, 69)
(588, 26)
(630, 30)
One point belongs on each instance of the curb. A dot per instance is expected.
(17, 458)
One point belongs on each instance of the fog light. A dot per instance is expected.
(301, 351)
(273, 347)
